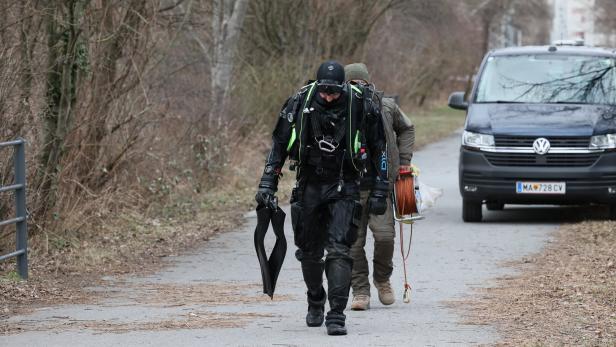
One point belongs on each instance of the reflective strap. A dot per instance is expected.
(357, 142)
(292, 140)
(350, 128)
(301, 120)
(356, 89)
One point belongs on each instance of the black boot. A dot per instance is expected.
(335, 323)
(314, 317)
(338, 269)
(316, 309)
(312, 269)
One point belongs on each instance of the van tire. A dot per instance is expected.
(471, 211)
(495, 206)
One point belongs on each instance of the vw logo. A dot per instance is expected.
(541, 146)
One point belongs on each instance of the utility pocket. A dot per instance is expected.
(355, 222)
(297, 222)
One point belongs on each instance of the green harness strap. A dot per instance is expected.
(294, 131)
(292, 139)
(357, 143)
(354, 144)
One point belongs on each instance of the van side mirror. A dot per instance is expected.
(456, 101)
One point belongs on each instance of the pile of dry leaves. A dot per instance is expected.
(566, 295)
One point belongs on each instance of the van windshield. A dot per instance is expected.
(548, 78)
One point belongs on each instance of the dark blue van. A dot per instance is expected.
(540, 129)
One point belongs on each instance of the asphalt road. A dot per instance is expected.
(449, 259)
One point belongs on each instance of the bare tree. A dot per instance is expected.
(96, 92)
(227, 19)
(606, 22)
(527, 15)
(119, 34)
(66, 62)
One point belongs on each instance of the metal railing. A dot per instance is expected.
(21, 215)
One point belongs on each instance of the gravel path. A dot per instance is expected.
(212, 297)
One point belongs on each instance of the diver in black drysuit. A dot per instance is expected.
(327, 130)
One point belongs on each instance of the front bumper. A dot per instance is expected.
(487, 182)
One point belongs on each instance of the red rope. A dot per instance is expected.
(406, 205)
(407, 285)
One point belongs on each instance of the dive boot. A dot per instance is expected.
(315, 316)
(312, 270)
(338, 270)
(316, 308)
(335, 323)
(336, 329)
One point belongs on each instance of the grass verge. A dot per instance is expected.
(435, 124)
(563, 296)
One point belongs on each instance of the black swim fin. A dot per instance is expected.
(270, 268)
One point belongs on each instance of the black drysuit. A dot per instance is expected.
(325, 208)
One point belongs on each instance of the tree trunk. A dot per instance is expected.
(65, 56)
(113, 37)
(26, 61)
(227, 19)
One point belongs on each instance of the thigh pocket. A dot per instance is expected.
(355, 222)
(297, 221)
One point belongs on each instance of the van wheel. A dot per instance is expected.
(495, 206)
(471, 211)
(612, 213)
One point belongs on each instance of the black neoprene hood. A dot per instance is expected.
(331, 71)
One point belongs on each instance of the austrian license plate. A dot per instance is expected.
(540, 187)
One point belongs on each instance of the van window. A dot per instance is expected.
(548, 78)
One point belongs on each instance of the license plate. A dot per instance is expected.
(541, 187)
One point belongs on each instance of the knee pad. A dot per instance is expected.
(384, 236)
(308, 256)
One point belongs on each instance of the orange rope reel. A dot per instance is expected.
(406, 198)
(406, 211)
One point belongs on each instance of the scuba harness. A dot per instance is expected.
(301, 113)
(327, 143)
(328, 155)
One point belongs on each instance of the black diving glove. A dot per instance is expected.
(267, 189)
(377, 201)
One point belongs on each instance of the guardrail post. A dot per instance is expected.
(20, 208)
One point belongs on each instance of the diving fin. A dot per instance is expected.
(270, 268)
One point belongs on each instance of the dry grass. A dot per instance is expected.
(192, 320)
(435, 124)
(195, 297)
(202, 294)
(564, 296)
(24, 296)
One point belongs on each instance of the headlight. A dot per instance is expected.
(477, 140)
(607, 141)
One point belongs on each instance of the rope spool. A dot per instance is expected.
(406, 200)
(406, 210)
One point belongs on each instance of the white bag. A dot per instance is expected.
(426, 196)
